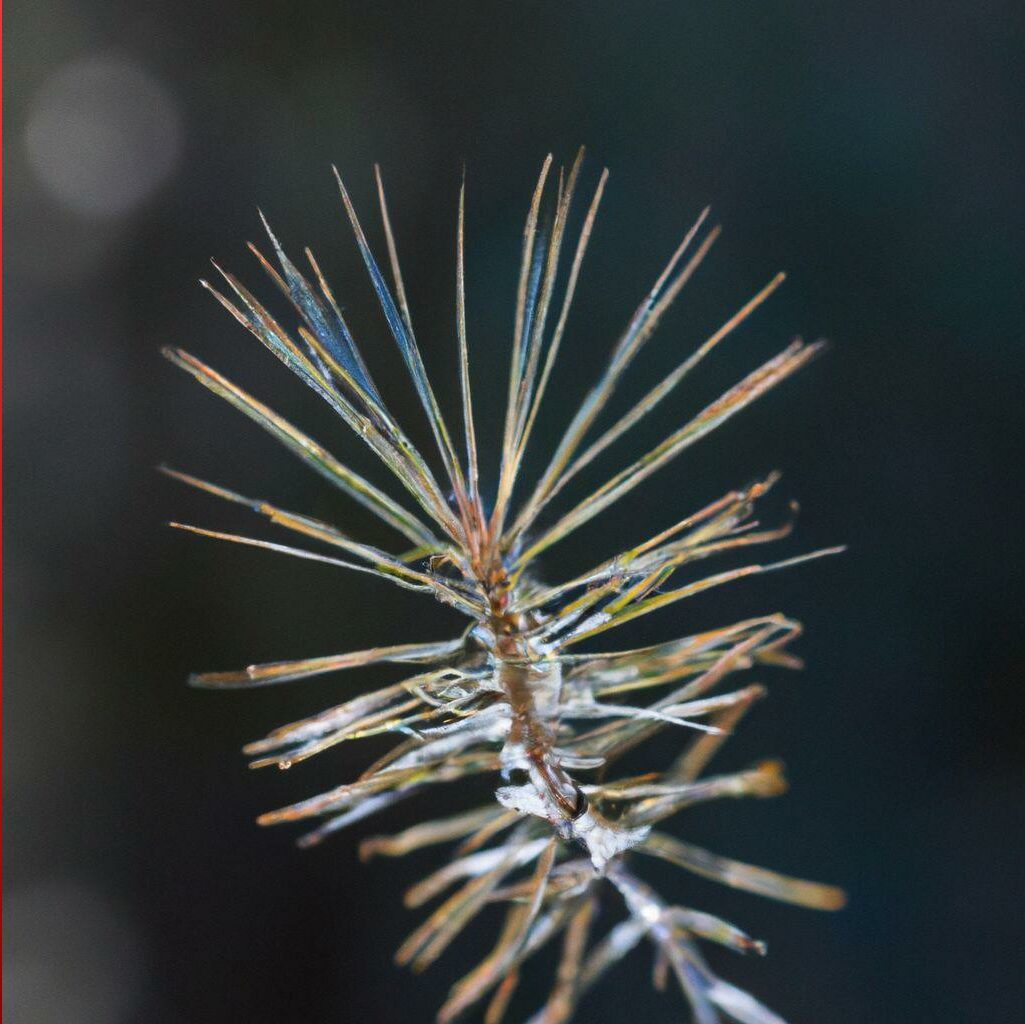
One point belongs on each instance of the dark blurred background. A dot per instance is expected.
(874, 150)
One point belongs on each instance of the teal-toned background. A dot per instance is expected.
(874, 150)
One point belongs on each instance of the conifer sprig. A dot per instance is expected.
(513, 696)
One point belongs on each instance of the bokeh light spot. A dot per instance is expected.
(103, 135)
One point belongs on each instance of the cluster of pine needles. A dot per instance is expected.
(514, 696)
